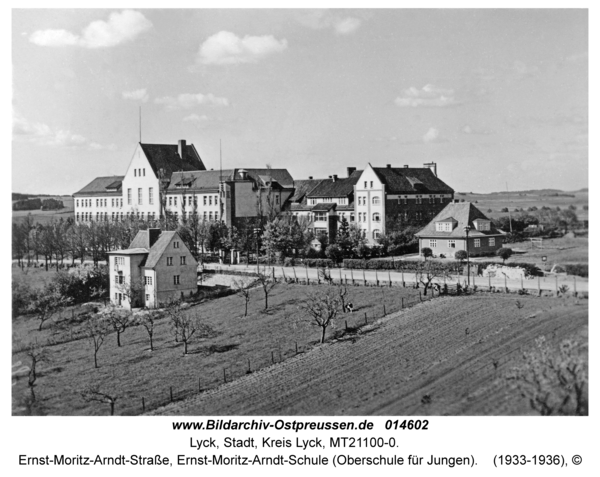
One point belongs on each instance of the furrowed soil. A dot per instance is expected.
(448, 356)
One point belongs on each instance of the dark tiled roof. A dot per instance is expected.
(401, 180)
(303, 187)
(166, 157)
(140, 240)
(200, 180)
(280, 175)
(324, 207)
(159, 247)
(99, 185)
(464, 214)
(341, 187)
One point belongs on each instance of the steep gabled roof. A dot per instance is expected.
(464, 213)
(303, 187)
(166, 157)
(100, 185)
(400, 180)
(159, 247)
(341, 187)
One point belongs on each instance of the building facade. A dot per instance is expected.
(156, 268)
(445, 234)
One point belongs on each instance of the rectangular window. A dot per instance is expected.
(365, 184)
(135, 173)
(148, 280)
(170, 200)
(492, 241)
(205, 214)
(210, 200)
(169, 261)
(175, 244)
(216, 216)
(216, 200)
(140, 196)
(151, 195)
(204, 197)
(128, 196)
(371, 184)
(182, 260)
(144, 172)
(175, 279)
(433, 243)
(477, 243)
(175, 201)
(210, 216)
(77, 202)
(147, 298)
(451, 243)
(320, 216)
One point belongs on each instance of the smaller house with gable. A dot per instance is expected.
(446, 234)
(155, 269)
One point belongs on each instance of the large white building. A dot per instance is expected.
(142, 191)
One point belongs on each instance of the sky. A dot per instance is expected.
(497, 98)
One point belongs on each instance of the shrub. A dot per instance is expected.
(504, 253)
(334, 252)
(579, 269)
(460, 255)
(426, 252)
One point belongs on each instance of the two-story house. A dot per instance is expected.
(460, 226)
(156, 269)
(390, 198)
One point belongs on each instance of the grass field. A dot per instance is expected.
(448, 356)
(45, 216)
(515, 200)
(133, 372)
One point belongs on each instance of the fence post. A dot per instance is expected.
(402, 272)
(574, 285)
(390, 277)
(345, 279)
(249, 368)
(283, 273)
(364, 278)
(341, 276)
(273, 273)
(420, 299)
(296, 347)
(171, 392)
(522, 288)
(376, 278)
(346, 325)
(539, 287)
(505, 285)
(295, 277)
(352, 276)
(143, 405)
(556, 284)
(273, 357)
(402, 306)
(489, 282)
(366, 322)
(199, 386)
(224, 376)
(384, 313)
(307, 279)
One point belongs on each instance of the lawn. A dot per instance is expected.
(132, 372)
(448, 356)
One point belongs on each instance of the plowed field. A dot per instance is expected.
(448, 356)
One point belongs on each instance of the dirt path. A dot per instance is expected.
(455, 351)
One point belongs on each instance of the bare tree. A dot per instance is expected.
(120, 321)
(93, 393)
(554, 381)
(148, 321)
(242, 288)
(428, 271)
(37, 354)
(190, 326)
(96, 331)
(325, 275)
(322, 307)
(267, 281)
(342, 294)
(174, 312)
(132, 290)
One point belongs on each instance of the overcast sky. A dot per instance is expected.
(492, 96)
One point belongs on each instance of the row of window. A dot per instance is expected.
(338, 200)
(376, 200)
(181, 260)
(120, 216)
(362, 217)
(140, 196)
(193, 200)
(139, 172)
(362, 200)
(452, 243)
(114, 202)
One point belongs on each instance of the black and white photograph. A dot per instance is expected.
(299, 212)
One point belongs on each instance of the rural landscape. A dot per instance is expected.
(300, 212)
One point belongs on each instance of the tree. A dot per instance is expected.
(93, 393)
(428, 271)
(47, 303)
(242, 288)
(426, 252)
(281, 236)
(322, 308)
(504, 253)
(37, 354)
(120, 321)
(334, 252)
(554, 381)
(267, 281)
(148, 321)
(190, 326)
(96, 330)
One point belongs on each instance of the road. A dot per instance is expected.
(384, 277)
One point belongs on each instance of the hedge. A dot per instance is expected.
(579, 269)
(309, 262)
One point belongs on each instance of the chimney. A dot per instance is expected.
(310, 178)
(153, 235)
(432, 166)
(181, 147)
(389, 166)
(334, 177)
(405, 166)
(243, 174)
(331, 177)
(350, 170)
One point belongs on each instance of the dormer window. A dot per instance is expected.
(446, 225)
(482, 224)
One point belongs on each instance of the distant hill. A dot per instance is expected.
(19, 196)
(546, 192)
